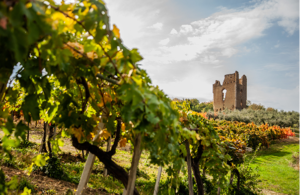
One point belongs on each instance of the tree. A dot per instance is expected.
(74, 70)
(256, 107)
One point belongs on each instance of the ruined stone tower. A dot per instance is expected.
(232, 94)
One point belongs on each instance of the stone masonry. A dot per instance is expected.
(232, 94)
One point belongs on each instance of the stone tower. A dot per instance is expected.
(232, 94)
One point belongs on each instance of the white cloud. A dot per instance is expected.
(223, 32)
(164, 41)
(157, 26)
(184, 29)
(191, 55)
(289, 25)
(173, 32)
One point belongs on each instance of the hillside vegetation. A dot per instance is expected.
(255, 113)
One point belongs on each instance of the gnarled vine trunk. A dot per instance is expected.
(43, 148)
(105, 157)
(196, 170)
(50, 137)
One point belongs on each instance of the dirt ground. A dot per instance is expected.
(44, 183)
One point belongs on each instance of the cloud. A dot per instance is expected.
(289, 25)
(184, 29)
(157, 26)
(173, 32)
(220, 34)
(185, 58)
(164, 41)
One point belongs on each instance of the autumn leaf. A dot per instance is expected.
(116, 31)
(78, 133)
(3, 22)
(75, 47)
(104, 133)
(90, 136)
(123, 127)
(123, 142)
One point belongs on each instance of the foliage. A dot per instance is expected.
(196, 106)
(52, 168)
(205, 145)
(256, 107)
(250, 133)
(203, 107)
(74, 70)
(249, 178)
(272, 117)
(3, 188)
(24, 183)
(26, 144)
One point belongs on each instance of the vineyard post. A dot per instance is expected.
(125, 191)
(134, 164)
(108, 147)
(157, 181)
(88, 165)
(189, 164)
(219, 189)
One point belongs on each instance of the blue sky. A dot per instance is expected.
(187, 45)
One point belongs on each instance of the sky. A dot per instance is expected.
(187, 45)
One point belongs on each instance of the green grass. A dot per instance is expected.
(274, 167)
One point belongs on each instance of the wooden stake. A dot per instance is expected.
(157, 181)
(88, 166)
(134, 164)
(189, 165)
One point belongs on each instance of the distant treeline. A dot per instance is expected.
(255, 113)
(196, 106)
(272, 117)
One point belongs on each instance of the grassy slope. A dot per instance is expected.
(274, 167)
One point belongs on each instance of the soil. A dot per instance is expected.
(289, 140)
(269, 192)
(44, 183)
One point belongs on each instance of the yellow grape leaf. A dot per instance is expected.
(198, 136)
(29, 5)
(123, 127)
(77, 46)
(104, 133)
(107, 97)
(100, 104)
(78, 133)
(123, 142)
(90, 55)
(90, 136)
(116, 31)
(96, 70)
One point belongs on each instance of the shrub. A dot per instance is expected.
(52, 168)
(25, 183)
